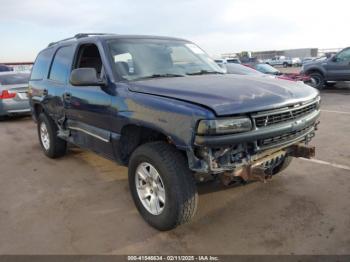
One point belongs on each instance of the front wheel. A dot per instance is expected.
(162, 186)
(317, 80)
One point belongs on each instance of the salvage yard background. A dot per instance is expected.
(80, 204)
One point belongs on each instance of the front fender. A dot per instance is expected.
(174, 118)
(311, 69)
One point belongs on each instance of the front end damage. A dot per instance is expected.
(264, 168)
(259, 153)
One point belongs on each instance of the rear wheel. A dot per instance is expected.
(162, 186)
(52, 145)
(285, 64)
(317, 80)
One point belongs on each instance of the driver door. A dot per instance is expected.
(338, 67)
(88, 107)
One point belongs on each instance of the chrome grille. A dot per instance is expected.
(284, 116)
(282, 138)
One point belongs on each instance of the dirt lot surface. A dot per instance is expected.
(80, 204)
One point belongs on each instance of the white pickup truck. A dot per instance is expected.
(284, 61)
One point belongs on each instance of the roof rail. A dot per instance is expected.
(81, 35)
(77, 36)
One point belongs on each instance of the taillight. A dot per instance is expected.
(5, 94)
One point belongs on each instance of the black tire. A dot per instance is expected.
(318, 80)
(285, 64)
(179, 184)
(57, 147)
(286, 162)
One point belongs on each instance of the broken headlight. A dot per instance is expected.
(224, 126)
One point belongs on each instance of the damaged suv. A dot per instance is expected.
(162, 107)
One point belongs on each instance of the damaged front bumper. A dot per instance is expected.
(262, 169)
(254, 152)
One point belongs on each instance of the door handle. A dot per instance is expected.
(67, 96)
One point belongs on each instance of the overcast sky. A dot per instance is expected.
(220, 26)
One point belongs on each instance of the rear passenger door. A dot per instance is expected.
(40, 91)
(58, 80)
(88, 107)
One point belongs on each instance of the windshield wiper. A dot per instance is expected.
(204, 72)
(159, 76)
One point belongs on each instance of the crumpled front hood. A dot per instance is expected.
(228, 94)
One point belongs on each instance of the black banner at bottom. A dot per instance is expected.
(188, 258)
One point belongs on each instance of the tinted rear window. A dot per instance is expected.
(14, 79)
(42, 65)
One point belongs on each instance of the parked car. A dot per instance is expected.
(173, 119)
(239, 69)
(326, 71)
(266, 69)
(228, 61)
(250, 60)
(270, 70)
(5, 68)
(13, 94)
(296, 61)
(233, 60)
(284, 61)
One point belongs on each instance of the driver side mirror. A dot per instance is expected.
(85, 77)
(334, 58)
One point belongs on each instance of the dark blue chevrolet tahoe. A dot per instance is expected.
(162, 107)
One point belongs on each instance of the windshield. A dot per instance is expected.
(238, 69)
(136, 59)
(14, 79)
(267, 69)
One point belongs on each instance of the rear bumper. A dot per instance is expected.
(300, 128)
(12, 107)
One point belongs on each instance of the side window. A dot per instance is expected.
(61, 64)
(89, 57)
(42, 65)
(344, 55)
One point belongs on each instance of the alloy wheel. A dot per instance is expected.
(150, 188)
(44, 136)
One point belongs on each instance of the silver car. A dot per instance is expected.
(13, 93)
